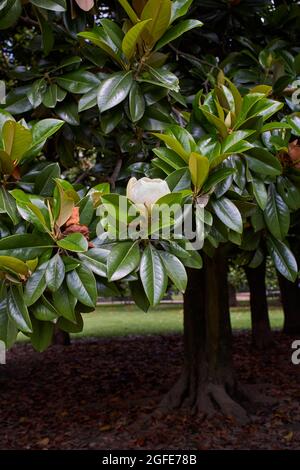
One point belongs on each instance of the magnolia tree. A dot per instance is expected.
(216, 183)
(258, 45)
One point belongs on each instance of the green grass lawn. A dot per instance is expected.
(121, 320)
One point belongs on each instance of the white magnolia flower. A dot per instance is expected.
(85, 5)
(146, 191)
(202, 201)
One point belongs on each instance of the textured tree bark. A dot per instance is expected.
(207, 383)
(61, 337)
(261, 328)
(223, 392)
(186, 388)
(290, 298)
(232, 296)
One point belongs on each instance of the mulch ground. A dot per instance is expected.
(100, 394)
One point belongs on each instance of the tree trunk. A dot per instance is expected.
(261, 328)
(232, 296)
(207, 383)
(290, 298)
(61, 337)
(222, 389)
(186, 389)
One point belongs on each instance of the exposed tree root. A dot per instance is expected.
(224, 403)
(256, 396)
(218, 396)
(175, 397)
(207, 384)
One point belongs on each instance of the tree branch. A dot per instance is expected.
(113, 178)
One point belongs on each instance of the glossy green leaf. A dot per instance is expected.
(183, 137)
(263, 162)
(289, 192)
(270, 126)
(46, 31)
(45, 183)
(8, 205)
(113, 32)
(114, 90)
(260, 192)
(176, 31)
(294, 122)
(17, 310)
(26, 245)
(71, 327)
(173, 144)
(64, 203)
(170, 157)
(52, 95)
(129, 10)
(160, 77)
(247, 105)
(64, 302)
(42, 334)
(81, 283)
(179, 8)
(153, 275)
(283, 258)
(6, 163)
(217, 177)
(35, 285)
(276, 214)
(9, 263)
(95, 259)
(179, 180)
(70, 263)
(111, 119)
(117, 207)
(43, 310)
(86, 210)
(74, 242)
(96, 39)
(265, 108)
(138, 295)
(16, 138)
(8, 329)
(235, 143)
(30, 212)
(257, 220)
(216, 122)
(88, 100)
(17, 101)
(122, 260)
(228, 213)
(53, 5)
(132, 38)
(36, 93)
(44, 129)
(199, 168)
(159, 11)
(186, 253)
(10, 13)
(79, 81)
(136, 102)
(175, 270)
(55, 273)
